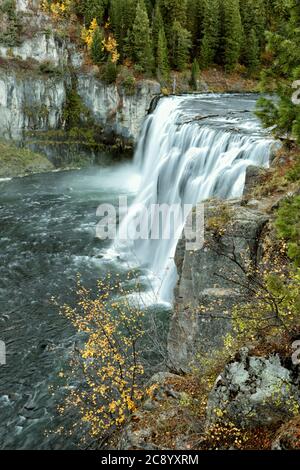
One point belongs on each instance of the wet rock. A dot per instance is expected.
(254, 391)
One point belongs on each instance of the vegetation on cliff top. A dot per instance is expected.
(15, 161)
(154, 37)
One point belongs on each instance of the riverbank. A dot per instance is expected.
(15, 161)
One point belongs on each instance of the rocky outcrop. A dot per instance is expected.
(203, 296)
(38, 70)
(115, 110)
(254, 391)
(16, 161)
(162, 422)
(254, 176)
(30, 103)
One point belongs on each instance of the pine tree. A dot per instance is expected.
(110, 72)
(141, 36)
(195, 75)
(253, 16)
(232, 33)
(90, 9)
(157, 25)
(173, 10)
(281, 75)
(180, 46)
(211, 32)
(252, 51)
(162, 57)
(97, 50)
(195, 23)
(122, 15)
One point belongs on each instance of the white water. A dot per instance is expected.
(183, 161)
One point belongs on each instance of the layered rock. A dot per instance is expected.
(31, 102)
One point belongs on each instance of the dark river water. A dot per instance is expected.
(48, 236)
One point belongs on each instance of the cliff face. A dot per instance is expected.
(37, 72)
(203, 297)
(36, 103)
(29, 103)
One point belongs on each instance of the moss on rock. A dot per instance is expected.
(15, 161)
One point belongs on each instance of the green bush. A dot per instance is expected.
(11, 24)
(288, 226)
(293, 175)
(129, 83)
(110, 72)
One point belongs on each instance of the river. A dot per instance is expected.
(48, 236)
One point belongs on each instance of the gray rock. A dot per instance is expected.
(254, 176)
(192, 332)
(254, 391)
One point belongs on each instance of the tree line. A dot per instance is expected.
(162, 35)
(154, 37)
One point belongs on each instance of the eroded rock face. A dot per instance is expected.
(254, 177)
(254, 391)
(36, 103)
(112, 108)
(192, 332)
(29, 103)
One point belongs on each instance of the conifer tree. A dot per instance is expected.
(281, 77)
(195, 75)
(253, 16)
(194, 23)
(173, 10)
(252, 51)
(180, 46)
(162, 56)
(141, 36)
(232, 33)
(90, 9)
(157, 25)
(211, 32)
(97, 49)
(122, 15)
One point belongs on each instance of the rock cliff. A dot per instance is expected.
(40, 67)
(203, 298)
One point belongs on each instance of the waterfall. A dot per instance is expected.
(192, 148)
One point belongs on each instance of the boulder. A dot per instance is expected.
(253, 392)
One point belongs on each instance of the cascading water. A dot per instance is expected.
(191, 148)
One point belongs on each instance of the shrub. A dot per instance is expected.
(110, 362)
(288, 226)
(110, 72)
(129, 84)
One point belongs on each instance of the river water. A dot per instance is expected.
(48, 236)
